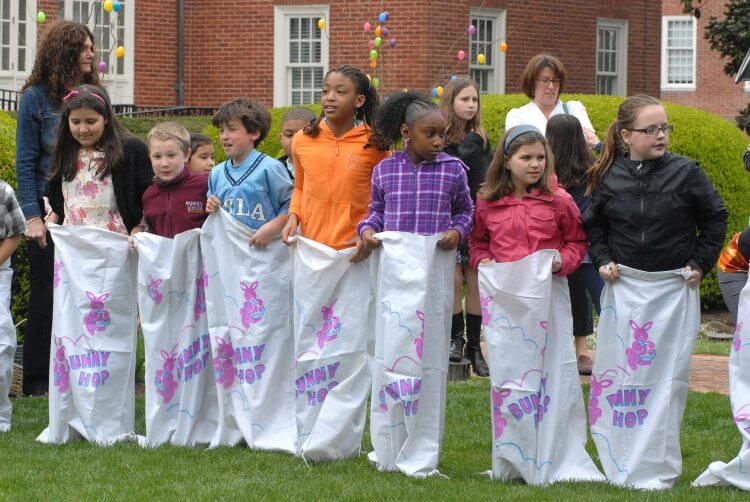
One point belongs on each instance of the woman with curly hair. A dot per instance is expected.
(64, 60)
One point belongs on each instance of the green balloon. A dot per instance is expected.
(376, 82)
(373, 54)
(378, 41)
(41, 17)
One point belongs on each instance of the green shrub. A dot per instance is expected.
(140, 126)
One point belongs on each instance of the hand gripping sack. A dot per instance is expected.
(92, 351)
(248, 298)
(538, 419)
(181, 401)
(7, 347)
(332, 313)
(413, 307)
(737, 471)
(639, 385)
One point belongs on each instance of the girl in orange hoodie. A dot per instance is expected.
(333, 161)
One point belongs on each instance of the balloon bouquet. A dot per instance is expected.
(376, 44)
(109, 6)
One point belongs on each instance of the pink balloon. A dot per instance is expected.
(371, 44)
(472, 29)
(102, 66)
(367, 27)
(461, 55)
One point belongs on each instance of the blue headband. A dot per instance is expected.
(517, 131)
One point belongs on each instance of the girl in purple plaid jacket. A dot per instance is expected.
(420, 189)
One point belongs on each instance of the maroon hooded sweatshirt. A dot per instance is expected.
(176, 206)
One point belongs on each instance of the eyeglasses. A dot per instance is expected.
(547, 81)
(654, 130)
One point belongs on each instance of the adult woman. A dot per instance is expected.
(64, 60)
(543, 81)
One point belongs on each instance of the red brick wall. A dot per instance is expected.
(714, 90)
(155, 57)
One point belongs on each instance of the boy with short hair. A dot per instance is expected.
(176, 199)
(12, 225)
(252, 187)
(293, 120)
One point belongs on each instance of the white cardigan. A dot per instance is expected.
(531, 114)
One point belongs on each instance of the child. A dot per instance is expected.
(252, 187)
(466, 139)
(572, 159)
(201, 158)
(12, 225)
(176, 200)
(98, 171)
(294, 120)
(733, 269)
(333, 161)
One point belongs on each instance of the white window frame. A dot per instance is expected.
(621, 75)
(497, 83)
(281, 14)
(12, 77)
(665, 85)
(120, 87)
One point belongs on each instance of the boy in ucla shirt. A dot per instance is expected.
(250, 186)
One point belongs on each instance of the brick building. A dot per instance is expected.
(273, 50)
(691, 73)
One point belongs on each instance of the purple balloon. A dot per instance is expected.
(384, 31)
(392, 43)
(102, 66)
(472, 30)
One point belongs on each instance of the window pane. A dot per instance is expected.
(293, 28)
(294, 52)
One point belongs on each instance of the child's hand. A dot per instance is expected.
(609, 272)
(450, 240)
(694, 277)
(590, 137)
(51, 218)
(290, 228)
(212, 204)
(131, 243)
(369, 240)
(262, 237)
(486, 260)
(361, 252)
(556, 265)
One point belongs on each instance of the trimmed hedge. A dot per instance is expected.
(716, 143)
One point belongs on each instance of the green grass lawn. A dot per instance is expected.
(31, 471)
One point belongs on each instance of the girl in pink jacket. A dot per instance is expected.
(519, 211)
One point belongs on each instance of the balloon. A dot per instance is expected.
(472, 30)
(378, 31)
(433, 91)
(405, 90)
(116, 6)
(321, 24)
(378, 41)
(503, 47)
(383, 17)
(461, 55)
(367, 27)
(373, 63)
(102, 66)
(376, 82)
(41, 17)
(369, 77)
(392, 42)
(439, 91)
(370, 44)
(480, 59)
(120, 51)
(373, 54)
(453, 77)
(384, 31)
(108, 6)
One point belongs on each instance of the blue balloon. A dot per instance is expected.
(434, 92)
(116, 6)
(383, 17)
(453, 77)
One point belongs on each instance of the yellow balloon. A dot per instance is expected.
(322, 24)
(480, 58)
(120, 51)
(439, 91)
(108, 6)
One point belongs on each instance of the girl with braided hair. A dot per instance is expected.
(333, 159)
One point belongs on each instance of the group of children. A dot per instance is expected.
(339, 183)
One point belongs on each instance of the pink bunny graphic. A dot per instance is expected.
(98, 317)
(200, 294)
(486, 316)
(499, 423)
(595, 391)
(419, 341)
(56, 279)
(166, 385)
(737, 342)
(331, 325)
(642, 351)
(153, 289)
(253, 310)
(61, 368)
(223, 363)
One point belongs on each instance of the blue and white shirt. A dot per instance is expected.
(255, 192)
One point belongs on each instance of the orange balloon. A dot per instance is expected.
(373, 63)
(503, 47)
(378, 31)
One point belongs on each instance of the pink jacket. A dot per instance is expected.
(510, 228)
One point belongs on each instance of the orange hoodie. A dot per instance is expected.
(332, 183)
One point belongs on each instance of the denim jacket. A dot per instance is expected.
(35, 136)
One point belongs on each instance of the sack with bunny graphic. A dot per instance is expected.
(92, 350)
(181, 399)
(646, 333)
(413, 307)
(538, 417)
(248, 296)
